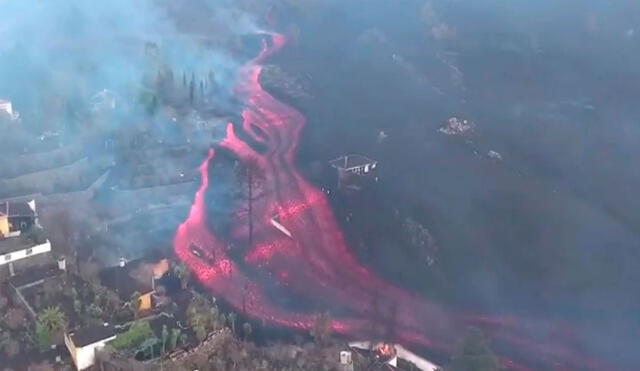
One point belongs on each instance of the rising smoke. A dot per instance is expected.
(55, 53)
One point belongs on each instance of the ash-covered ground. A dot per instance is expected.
(530, 213)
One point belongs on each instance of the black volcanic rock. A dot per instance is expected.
(290, 86)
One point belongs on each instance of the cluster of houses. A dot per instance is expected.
(27, 261)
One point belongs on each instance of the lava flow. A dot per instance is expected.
(314, 262)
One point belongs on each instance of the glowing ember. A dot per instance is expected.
(385, 351)
(315, 262)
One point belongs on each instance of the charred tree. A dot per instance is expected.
(250, 175)
(192, 86)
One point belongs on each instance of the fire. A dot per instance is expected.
(385, 351)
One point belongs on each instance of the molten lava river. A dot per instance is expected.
(316, 264)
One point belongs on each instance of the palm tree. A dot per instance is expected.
(52, 319)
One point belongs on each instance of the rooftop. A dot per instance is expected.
(351, 161)
(30, 276)
(15, 208)
(12, 244)
(124, 281)
(89, 335)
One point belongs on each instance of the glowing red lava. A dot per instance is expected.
(315, 262)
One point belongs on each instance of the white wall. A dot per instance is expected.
(7, 107)
(86, 356)
(403, 353)
(22, 254)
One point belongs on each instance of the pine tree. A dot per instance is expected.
(192, 86)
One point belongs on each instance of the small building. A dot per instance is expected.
(352, 168)
(17, 217)
(18, 252)
(127, 279)
(83, 344)
(346, 361)
(6, 110)
(6, 107)
(389, 356)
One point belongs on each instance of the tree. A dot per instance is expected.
(247, 330)
(200, 329)
(183, 273)
(165, 338)
(135, 302)
(322, 327)
(192, 85)
(42, 337)
(175, 336)
(251, 176)
(133, 337)
(215, 316)
(231, 317)
(211, 81)
(197, 320)
(473, 353)
(36, 235)
(95, 311)
(222, 320)
(49, 323)
(152, 106)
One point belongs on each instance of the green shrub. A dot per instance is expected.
(133, 337)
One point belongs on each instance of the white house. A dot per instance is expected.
(6, 107)
(14, 249)
(400, 352)
(83, 343)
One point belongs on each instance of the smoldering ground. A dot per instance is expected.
(505, 240)
(551, 232)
